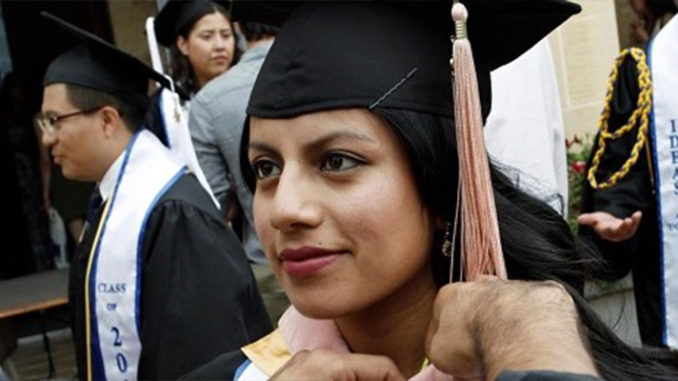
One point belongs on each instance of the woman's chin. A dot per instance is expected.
(320, 309)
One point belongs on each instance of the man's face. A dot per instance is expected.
(76, 140)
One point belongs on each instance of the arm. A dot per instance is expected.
(544, 376)
(610, 217)
(199, 298)
(203, 130)
(486, 327)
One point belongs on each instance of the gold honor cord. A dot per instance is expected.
(642, 111)
(88, 326)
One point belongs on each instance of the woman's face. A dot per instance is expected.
(209, 46)
(338, 212)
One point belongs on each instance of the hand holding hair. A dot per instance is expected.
(482, 328)
(610, 227)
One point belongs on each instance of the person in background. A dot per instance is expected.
(201, 39)
(158, 284)
(526, 117)
(17, 125)
(624, 199)
(216, 121)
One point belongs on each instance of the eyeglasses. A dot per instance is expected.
(48, 123)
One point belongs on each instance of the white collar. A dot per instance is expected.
(107, 184)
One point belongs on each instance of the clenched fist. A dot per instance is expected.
(487, 326)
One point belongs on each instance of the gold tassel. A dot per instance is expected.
(481, 252)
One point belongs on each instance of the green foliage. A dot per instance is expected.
(578, 152)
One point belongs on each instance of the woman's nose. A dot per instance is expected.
(295, 204)
(220, 42)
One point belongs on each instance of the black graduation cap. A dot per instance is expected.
(98, 65)
(177, 15)
(326, 50)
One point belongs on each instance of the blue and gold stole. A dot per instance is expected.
(113, 277)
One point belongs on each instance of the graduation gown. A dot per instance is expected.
(634, 192)
(198, 295)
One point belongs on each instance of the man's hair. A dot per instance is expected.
(85, 99)
(255, 32)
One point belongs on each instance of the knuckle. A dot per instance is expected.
(302, 356)
(555, 291)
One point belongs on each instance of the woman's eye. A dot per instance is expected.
(339, 162)
(264, 169)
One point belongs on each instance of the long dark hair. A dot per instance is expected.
(180, 67)
(536, 240)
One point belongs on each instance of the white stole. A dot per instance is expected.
(175, 120)
(113, 280)
(663, 60)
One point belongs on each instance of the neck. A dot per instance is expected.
(396, 326)
(115, 147)
(200, 81)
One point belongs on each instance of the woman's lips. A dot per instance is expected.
(220, 59)
(306, 260)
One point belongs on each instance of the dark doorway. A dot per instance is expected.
(31, 48)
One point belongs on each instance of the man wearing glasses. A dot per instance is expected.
(158, 284)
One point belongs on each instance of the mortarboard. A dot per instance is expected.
(96, 64)
(325, 51)
(335, 54)
(177, 15)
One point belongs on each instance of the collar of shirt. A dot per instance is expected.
(107, 185)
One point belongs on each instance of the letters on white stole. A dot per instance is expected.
(114, 273)
(663, 60)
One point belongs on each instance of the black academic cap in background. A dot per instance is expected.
(96, 64)
(177, 15)
(331, 54)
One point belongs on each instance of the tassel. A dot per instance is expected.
(481, 252)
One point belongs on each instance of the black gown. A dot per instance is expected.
(634, 192)
(198, 299)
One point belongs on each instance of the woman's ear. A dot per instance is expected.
(182, 45)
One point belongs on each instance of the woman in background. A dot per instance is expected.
(201, 39)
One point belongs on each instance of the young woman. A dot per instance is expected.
(351, 142)
(200, 36)
(202, 43)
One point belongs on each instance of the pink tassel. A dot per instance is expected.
(481, 252)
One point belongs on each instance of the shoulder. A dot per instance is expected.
(223, 367)
(628, 73)
(249, 372)
(269, 353)
(188, 222)
(240, 77)
(187, 192)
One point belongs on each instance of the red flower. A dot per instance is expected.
(579, 166)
